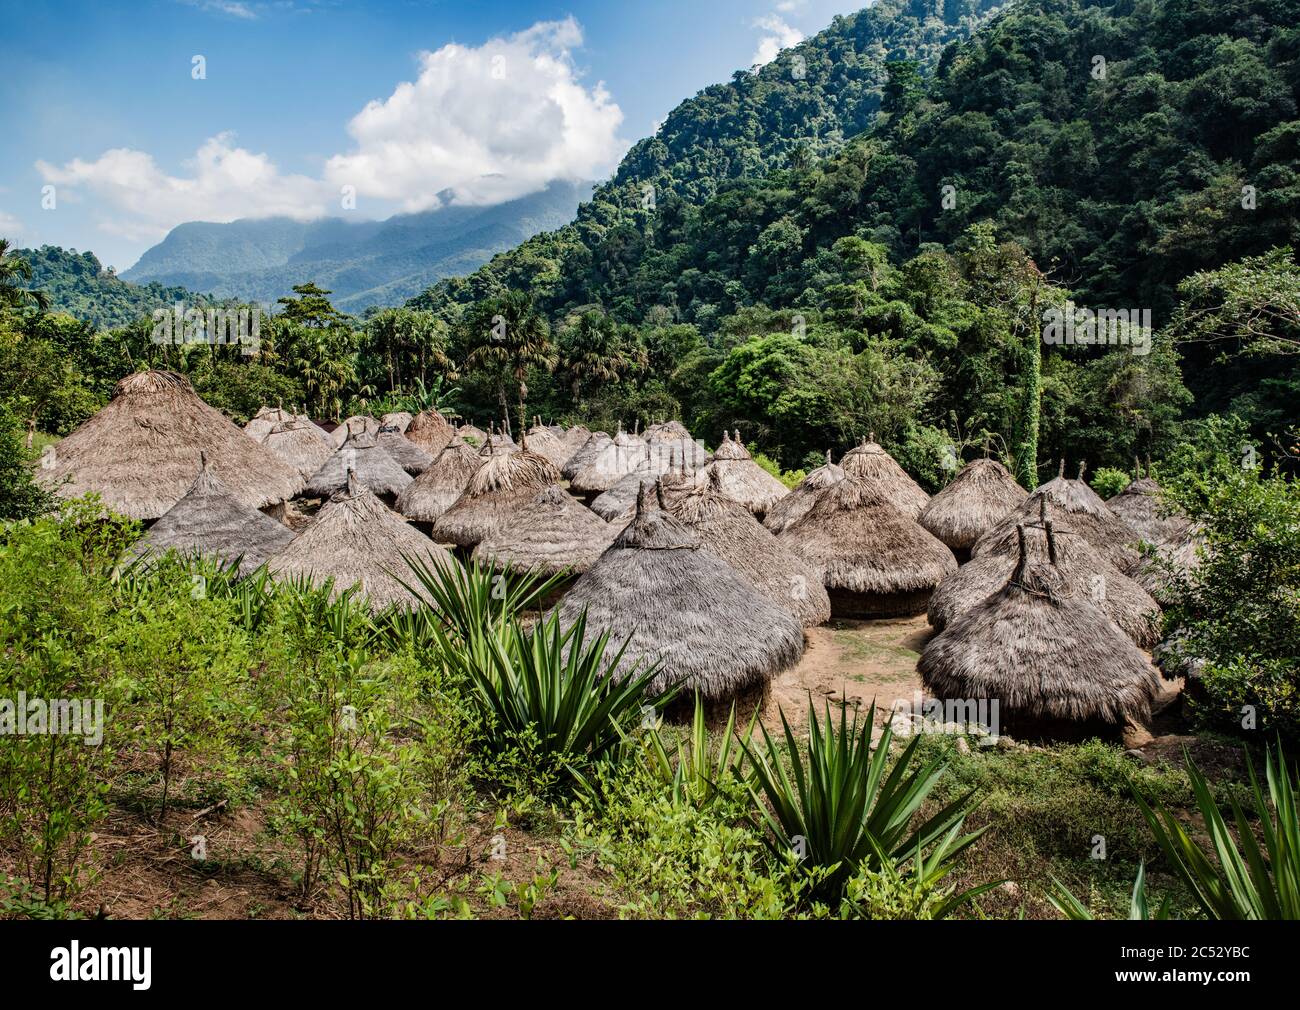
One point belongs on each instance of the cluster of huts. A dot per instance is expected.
(704, 563)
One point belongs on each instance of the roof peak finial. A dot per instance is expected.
(1061, 472)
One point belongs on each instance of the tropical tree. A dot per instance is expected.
(14, 272)
(509, 336)
(594, 350)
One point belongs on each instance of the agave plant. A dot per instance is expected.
(846, 810)
(696, 776)
(554, 685)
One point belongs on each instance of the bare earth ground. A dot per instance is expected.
(853, 662)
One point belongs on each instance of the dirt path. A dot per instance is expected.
(854, 662)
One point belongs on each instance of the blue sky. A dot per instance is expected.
(312, 107)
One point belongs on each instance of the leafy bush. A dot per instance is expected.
(1109, 482)
(20, 496)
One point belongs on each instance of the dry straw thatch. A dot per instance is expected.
(356, 540)
(667, 431)
(681, 606)
(1074, 504)
(874, 560)
(585, 453)
(796, 504)
(504, 483)
(870, 462)
(430, 495)
(264, 420)
(399, 419)
(543, 442)
(742, 480)
(1043, 652)
(730, 531)
(140, 452)
(575, 438)
(406, 454)
(299, 443)
(1140, 507)
(979, 497)
(1087, 573)
(552, 532)
(430, 432)
(212, 522)
(610, 464)
(472, 435)
(363, 454)
(357, 424)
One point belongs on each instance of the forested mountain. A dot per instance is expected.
(365, 263)
(78, 284)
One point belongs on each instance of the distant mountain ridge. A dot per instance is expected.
(364, 263)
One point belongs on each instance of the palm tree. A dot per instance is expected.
(593, 351)
(15, 271)
(509, 334)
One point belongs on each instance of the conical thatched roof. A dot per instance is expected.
(427, 497)
(1072, 503)
(139, 453)
(979, 497)
(299, 444)
(544, 443)
(399, 419)
(550, 533)
(741, 479)
(618, 504)
(357, 424)
(1084, 569)
(357, 540)
(862, 544)
(682, 606)
(409, 456)
(375, 469)
(796, 504)
(1140, 507)
(575, 438)
(610, 464)
(211, 521)
(1183, 555)
(730, 531)
(667, 431)
(264, 420)
(430, 432)
(504, 483)
(869, 461)
(585, 453)
(472, 435)
(1042, 651)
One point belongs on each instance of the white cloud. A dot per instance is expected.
(141, 202)
(486, 124)
(10, 226)
(780, 35)
(479, 125)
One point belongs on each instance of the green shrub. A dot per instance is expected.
(1109, 482)
(20, 496)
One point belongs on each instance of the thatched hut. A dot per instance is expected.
(430, 432)
(357, 424)
(550, 533)
(1084, 569)
(299, 443)
(870, 462)
(1140, 507)
(409, 456)
(499, 488)
(472, 435)
(140, 451)
(679, 605)
(979, 497)
(610, 464)
(585, 453)
(873, 560)
(1045, 653)
(729, 530)
(667, 431)
(357, 540)
(796, 504)
(741, 479)
(261, 423)
(427, 497)
(399, 419)
(212, 522)
(1074, 504)
(543, 442)
(375, 469)
(575, 438)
